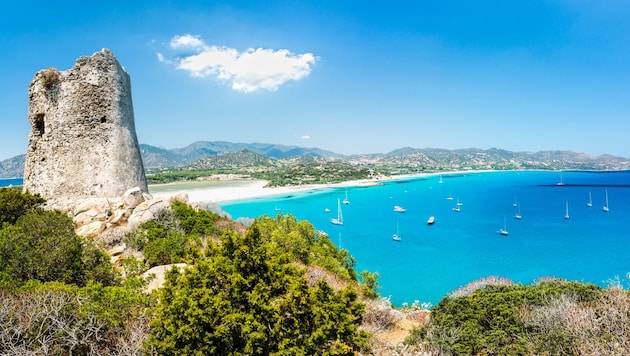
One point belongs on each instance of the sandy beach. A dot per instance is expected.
(222, 191)
(217, 191)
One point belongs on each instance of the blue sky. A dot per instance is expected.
(346, 76)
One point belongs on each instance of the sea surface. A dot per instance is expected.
(10, 182)
(432, 260)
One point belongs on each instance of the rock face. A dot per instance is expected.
(83, 139)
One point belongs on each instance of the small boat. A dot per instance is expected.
(560, 182)
(327, 210)
(346, 201)
(431, 220)
(458, 206)
(590, 200)
(399, 209)
(450, 197)
(440, 181)
(396, 236)
(566, 214)
(503, 231)
(605, 207)
(518, 216)
(339, 219)
(515, 204)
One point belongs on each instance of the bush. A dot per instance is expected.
(42, 245)
(14, 204)
(247, 298)
(497, 320)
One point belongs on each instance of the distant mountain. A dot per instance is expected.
(244, 159)
(12, 167)
(198, 154)
(155, 157)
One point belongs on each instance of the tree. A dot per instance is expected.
(246, 297)
(14, 204)
(42, 245)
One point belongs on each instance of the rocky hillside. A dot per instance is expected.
(212, 155)
(12, 167)
(244, 159)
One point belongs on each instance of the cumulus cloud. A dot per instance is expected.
(248, 71)
(305, 137)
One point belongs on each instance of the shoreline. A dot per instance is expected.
(234, 190)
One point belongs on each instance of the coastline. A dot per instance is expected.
(233, 190)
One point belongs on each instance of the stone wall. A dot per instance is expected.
(83, 140)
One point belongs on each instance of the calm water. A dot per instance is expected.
(430, 261)
(6, 182)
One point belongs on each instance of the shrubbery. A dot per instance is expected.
(247, 297)
(549, 318)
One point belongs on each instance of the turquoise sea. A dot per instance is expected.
(460, 247)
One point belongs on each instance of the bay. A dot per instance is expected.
(430, 261)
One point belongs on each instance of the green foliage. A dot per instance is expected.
(247, 297)
(175, 236)
(490, 320)
(300, 240)
(369, 284)
(42, 245)
(14, 204)
(195, 221)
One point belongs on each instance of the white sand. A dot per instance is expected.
(222, 191)
(236, 190)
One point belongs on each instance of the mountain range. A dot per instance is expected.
(158, 158)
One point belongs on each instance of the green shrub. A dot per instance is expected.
(14, 204)
(246, 298)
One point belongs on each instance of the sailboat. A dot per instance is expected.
(457, 207)
(515, 204)
(566, 214)
(518, 216)
(605, 208)
(440, 181)
(450, 197)
(396, 236)
(560, 182)
(339, 219)
(590, 200)
(504, 231)
(346, 201)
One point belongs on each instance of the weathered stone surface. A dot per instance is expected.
(83, 140)
(146, 211)
(157, 273)
(91, 229)
(133, 197)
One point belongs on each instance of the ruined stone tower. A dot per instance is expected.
(83, 138)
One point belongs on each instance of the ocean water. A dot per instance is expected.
(460, 247)
(7, 182)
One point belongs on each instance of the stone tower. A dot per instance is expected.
(83, 139)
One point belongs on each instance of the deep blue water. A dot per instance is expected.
(431, 261)
(5, 182)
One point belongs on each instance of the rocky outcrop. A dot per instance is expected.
(93, 216)
(82, 142)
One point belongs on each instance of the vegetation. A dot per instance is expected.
(549, 318)
(276, 287)
(246, 298)
(246, 292)
(42, 245)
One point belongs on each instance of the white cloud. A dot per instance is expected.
(306, 137)
(248, 71)
(186, 41)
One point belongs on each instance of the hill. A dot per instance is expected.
(12, 167)
(199, 155)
